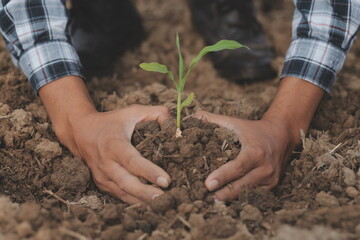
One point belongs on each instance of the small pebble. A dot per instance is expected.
(352, 192)
(349, 176)
(24, 229)
(326, 200)
(251, 213)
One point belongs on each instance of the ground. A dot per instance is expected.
(46, 193)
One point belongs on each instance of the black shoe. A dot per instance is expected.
(234, 20)
(102, 31)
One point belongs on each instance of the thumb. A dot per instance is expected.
(221, 120)
(154, 113)
(139, 113)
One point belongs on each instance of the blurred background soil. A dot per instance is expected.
(318, 197)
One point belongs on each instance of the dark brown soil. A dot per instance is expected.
(46, 193)
(189, 159)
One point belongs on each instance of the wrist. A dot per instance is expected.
(294, 106)
(67, 102)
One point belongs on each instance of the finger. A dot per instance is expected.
(153, 113)
(139, 166)
(231, 191)
(231, 171)
(140, 113)
(159, 113)
(108, 186)
(131, 184)
(223, 121)
(114, 190)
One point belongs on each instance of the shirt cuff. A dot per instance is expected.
(48, 61)
(313, 60)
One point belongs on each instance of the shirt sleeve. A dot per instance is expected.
(37, 35)
(323, 32)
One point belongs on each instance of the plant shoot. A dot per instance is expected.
(183, 75)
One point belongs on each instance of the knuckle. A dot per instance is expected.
(108, 146)
(102, 167)
(257, 152)
(239, 168)
(122, 195)
(274, 181)
(99, 182)
(163, 109)
(269, 171)
(127, 160)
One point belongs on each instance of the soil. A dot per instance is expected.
(189, 159)
(46, 193)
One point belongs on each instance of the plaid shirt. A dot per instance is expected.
(37, 35)
(323, 32)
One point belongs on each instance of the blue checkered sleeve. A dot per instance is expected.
(323, 32)
(36, 33)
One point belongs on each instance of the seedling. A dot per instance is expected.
(182, 77)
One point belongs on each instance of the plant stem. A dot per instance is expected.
(178, 110)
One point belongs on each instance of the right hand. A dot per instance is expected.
(103, 139)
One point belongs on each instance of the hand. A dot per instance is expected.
(103, 139)
(266, 145)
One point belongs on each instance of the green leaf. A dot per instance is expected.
(181, 59)
(188, 100)
(221, 45)
(157, 67)
(171, 76)
(154, 67)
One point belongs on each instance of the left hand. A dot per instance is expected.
(266, 145)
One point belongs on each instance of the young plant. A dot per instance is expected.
(183, 76)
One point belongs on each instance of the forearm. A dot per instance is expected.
(294, 105)
(66, 101)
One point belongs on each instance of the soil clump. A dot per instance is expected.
(46, 193)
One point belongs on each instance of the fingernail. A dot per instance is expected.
(213, 184)
(155, 196)
(162, 181)
(216, 201)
